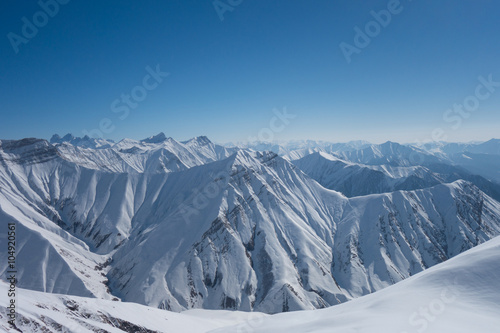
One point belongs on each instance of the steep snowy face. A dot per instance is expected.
(354, 179)
(158, 138)
(94, 206)
(26, 151)
(254, 234)
(393, 236)
(33, 177)
(460, 295)
(249, 231)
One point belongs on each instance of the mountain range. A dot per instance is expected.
(197, 225)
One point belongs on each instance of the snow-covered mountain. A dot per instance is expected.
(486, 165)
(85, 142)
(355, 179)
(474, 158)
(459, 295)
(224, 229)
(390, 153)
(156, 154)
(480, 158)
(300, 146)
(491, 147)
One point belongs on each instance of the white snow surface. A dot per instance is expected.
(43, 312)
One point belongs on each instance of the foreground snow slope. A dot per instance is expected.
(44, 312)
(460, 295)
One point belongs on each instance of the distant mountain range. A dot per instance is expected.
(479, 158)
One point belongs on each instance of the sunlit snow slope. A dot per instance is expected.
(43, 312)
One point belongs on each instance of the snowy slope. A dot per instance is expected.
(43, 312)
(478, 158)
(52, 259)
(449, 148)
(157, 154)
(486, 165)
(460, 295)
(354, 179)
(489, 147)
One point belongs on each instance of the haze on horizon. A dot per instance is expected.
(404, 71)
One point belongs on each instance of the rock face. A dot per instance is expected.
(223, 229)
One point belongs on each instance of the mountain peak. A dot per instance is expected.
(202, 139)
(390, 144)
(57, 139)
(68, 137)
(158, 138)
(85, 142)
(199, 140)
(252, 159)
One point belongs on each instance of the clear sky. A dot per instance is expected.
(75, 71)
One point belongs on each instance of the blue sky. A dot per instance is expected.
(227, 76)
